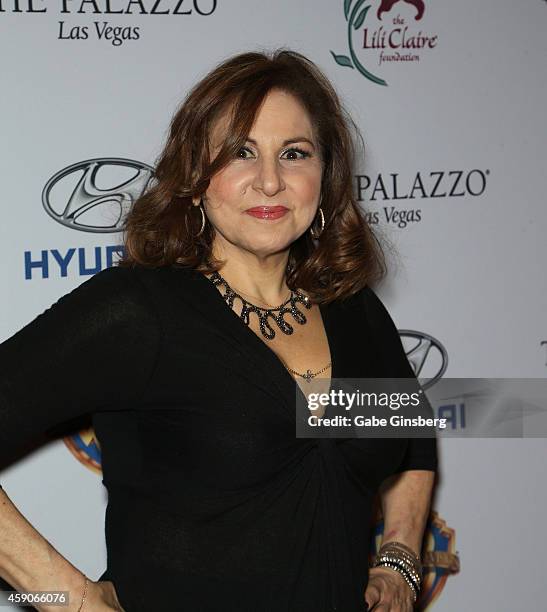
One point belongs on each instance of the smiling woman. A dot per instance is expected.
(246, 273)
(260, 131)
(274, 177)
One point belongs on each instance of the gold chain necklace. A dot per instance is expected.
(265, 328)
(309, 374)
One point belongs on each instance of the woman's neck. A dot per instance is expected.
(260, 280)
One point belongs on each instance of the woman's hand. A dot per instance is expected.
(387, 591)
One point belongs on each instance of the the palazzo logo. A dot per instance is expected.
(110, 21)
(382, 37)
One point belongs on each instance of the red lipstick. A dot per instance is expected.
(267, 212)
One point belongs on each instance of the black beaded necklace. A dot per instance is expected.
(277, 313)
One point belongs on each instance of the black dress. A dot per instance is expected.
(213, 503)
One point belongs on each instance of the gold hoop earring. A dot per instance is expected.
(200, 205)
(313, 234)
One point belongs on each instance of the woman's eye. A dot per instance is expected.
(242, 153)
(291, 154)
(296, 153)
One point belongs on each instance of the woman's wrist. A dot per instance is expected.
(61, 576)
(410, 535)
(402, 559)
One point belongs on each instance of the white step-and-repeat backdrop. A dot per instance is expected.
(450, 98)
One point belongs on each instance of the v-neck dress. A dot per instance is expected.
(214, 504)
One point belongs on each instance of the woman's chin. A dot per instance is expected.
(266, 248)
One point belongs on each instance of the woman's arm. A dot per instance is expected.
(406, 499)
(405, 496)
(28, 562)
(94, 349)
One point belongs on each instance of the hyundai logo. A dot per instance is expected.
(427, 350)
(95, 195)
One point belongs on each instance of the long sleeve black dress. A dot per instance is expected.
(213, 503)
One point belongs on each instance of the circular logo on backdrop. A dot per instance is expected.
(95, 195)
(383, 33)
(427, 355)
(86, 448)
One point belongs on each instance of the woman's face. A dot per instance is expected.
(279, 168)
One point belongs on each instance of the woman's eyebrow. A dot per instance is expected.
(289, 141)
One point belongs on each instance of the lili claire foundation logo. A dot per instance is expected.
(384, 36)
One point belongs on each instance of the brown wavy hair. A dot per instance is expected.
(161, 227)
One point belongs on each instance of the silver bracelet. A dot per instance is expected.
(403, 563)
(401, 551)
(401, 558)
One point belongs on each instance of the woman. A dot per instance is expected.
(214, 502)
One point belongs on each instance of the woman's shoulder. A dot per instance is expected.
(116, 282)
(128, 278)
(368, 299)
(372, 300)
(163, 289)
(375, 310)
(110, 295)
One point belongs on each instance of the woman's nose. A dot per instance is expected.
(269, 177)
